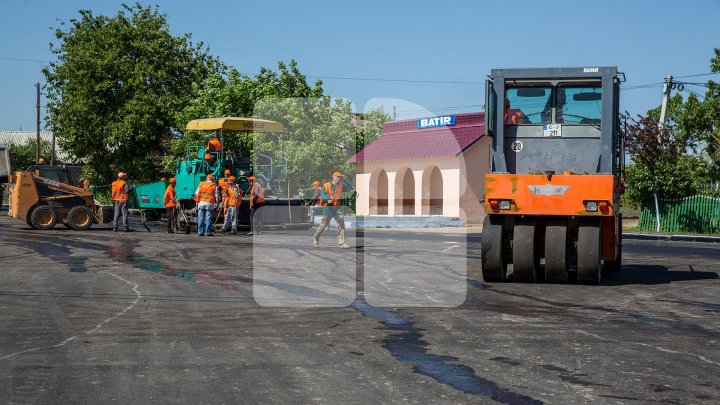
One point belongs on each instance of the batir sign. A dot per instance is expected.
(444, 121)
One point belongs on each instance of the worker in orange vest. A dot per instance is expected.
(223, 184)
(330, 195)
(206, 196)
(514, 116)
(120, 192)
(171, 203)
(257, 201)
(213, 145)
(232, 199)
(315, 200)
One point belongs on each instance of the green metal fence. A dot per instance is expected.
(699, 213)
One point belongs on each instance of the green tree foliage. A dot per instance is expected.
(116, 86)
(687, 176)
(320, 136)
(321, 133)
(372, 128)
(685, 157)
(23, 156)
(227, 93)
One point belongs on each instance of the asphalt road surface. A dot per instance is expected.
(100, 317)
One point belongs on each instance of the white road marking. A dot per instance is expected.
(96, 328)
(658, 348)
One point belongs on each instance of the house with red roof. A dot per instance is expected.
(427, 167)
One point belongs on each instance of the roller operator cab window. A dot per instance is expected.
(526, 105)
(578, 105)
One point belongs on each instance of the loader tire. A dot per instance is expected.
(43, 217)
(80, 218)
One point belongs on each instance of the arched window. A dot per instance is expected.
(379, 193)
(432, 198)
(404, 192)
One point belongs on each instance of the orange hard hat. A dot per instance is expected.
(172, 180)
(163, 179)
(251, 178)
(209, 177)
(121, 175)
(227, 171)
(337, 174)
(315, 183)
(232, 178)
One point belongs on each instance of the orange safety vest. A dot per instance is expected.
(334, 197)
(514, 116)
(118, 191)
(224, 184)
(233, 196)
(214, 145)
(206, 192)
(260, 193)
(170, 197)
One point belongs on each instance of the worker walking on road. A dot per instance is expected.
(330, 195)
(206, 197)
(232, 199)
(171, 203)
(120, 192)
(257, 201)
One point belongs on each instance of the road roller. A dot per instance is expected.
(552, 196)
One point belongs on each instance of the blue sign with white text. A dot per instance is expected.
(444, 121)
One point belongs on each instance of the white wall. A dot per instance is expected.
(463, 180)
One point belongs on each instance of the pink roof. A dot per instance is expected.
(404, 140)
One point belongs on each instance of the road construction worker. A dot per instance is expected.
(330, 196)
(120, 192)
(257, 201)
(514, 116)
(223, 183)
(171, 203)
(206, 196)
(315, 200)
(232, 199)
(213, 145)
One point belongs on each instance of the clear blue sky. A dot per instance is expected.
(422, 40)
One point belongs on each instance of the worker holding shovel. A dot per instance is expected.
(171, 203)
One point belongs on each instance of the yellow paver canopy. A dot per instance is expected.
(234, 124)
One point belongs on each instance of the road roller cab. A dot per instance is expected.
(553, 195)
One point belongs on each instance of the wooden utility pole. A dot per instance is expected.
(666, 99)
(663, 118)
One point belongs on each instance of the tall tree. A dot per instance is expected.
(116, 86)
(321, 132)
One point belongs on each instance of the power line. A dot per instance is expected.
(25, 60)
(459, 107)
(394, 80)
(377, 79)
(700, 74)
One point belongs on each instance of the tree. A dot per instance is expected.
(319, 137)
(23, 156)
(226, 92)
(116, 86)
(683, 158)
(374, 125)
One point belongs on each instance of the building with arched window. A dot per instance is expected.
(429, 168)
